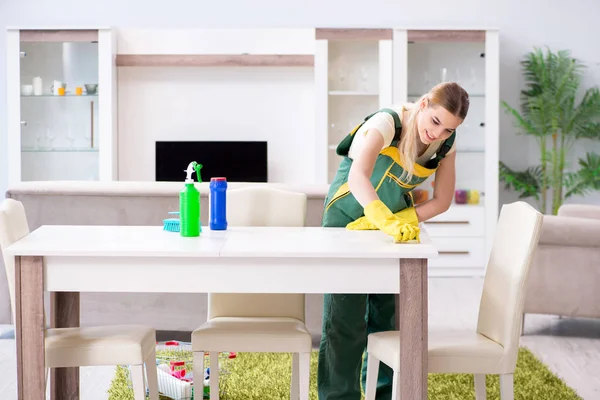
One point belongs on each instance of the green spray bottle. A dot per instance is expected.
(189, 203)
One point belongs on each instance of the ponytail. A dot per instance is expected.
(409, 141)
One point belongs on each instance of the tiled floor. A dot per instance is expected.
(570, 347)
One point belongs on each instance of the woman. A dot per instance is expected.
(386, 156)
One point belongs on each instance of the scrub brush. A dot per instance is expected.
(171, 224)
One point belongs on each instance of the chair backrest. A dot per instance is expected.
(13, 226)
(264, 206)
(501, 308)
(261, 206)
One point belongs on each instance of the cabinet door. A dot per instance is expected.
(433, 57)
(354, 69)
(58, 76)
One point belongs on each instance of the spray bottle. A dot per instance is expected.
(189, 203)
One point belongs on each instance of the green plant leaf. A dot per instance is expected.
(526, 183)
(582, 121)
(586, 179)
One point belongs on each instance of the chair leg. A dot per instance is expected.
(198, 360)
(152, 376)
(304, 375)
(507, 390)
(137, 379)
(522, 324)
(395, 386)
(372, 373)
(295, 381)
(214, 375)
(480, 391)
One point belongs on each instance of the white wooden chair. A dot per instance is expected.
(493, 347)
(89, 346)
(258, 322)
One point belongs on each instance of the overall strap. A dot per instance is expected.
(446, 146)
(397, 123)
(344, 146)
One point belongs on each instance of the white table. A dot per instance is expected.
(67, 260)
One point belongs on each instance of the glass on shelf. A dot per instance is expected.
(473, 79)
(364, 77)
(443, 75)
(457, 78)
(51, 136)
(341, 73)
(426, 82)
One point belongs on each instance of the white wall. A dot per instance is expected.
(523, 24)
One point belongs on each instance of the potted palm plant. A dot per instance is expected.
(553, 111)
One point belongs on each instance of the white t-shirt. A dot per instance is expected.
(384, 123)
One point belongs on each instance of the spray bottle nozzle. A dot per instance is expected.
(193, 167)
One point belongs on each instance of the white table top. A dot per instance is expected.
(255, 242)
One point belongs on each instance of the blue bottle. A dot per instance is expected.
(218, 204)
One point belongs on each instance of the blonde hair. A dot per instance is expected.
(449, 95)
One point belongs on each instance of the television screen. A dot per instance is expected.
(236, 161)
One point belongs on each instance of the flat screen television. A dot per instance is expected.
(238, 161)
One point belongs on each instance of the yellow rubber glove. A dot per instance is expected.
(403, 226)
(408, 233)
(361, 224)
(408, 215)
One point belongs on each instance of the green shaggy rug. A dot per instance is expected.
(265, 376)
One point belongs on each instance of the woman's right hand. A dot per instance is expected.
(401, 226)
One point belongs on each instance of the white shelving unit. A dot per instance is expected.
(358, 71)
(53, 136)
(423, 58)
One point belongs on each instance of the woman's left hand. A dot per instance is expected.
(408, 228)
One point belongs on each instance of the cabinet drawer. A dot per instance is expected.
(457, 221)
(458, 252)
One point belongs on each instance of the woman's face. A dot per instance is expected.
(435, 123)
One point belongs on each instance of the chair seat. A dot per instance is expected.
(449, 352)
(249, 334)
(102, 345)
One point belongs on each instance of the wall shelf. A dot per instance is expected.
(59, 35)
(424, 36)
(47, 95)
(215, 60)
(353, 34)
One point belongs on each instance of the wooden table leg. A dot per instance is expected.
(413, 329)
(64, 311)
(29, 329)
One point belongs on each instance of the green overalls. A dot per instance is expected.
(349, 318)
